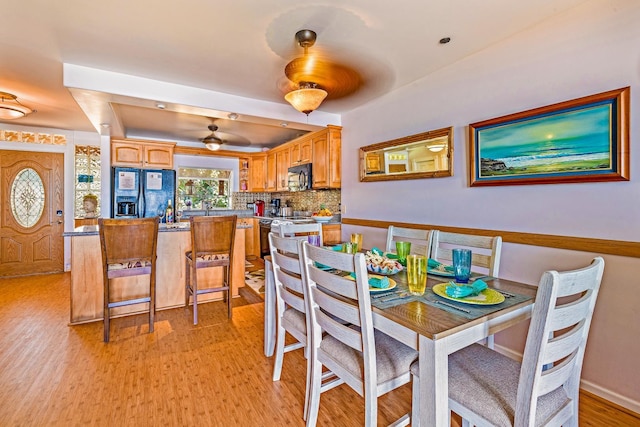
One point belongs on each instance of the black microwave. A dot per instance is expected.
(299, 177)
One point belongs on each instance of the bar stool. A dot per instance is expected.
(212, 242)
(129, 248)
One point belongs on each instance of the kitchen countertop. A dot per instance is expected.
(91, 230)
(289, 218)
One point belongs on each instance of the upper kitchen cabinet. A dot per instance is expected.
(258, 173)
(142, 154)
(282, 167)
(300, 151)
(272, 173)
(326, 148)
(244, 173)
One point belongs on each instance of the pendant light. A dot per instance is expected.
(307, 98)
(11, 108)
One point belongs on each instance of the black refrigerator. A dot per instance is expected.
(141, 193)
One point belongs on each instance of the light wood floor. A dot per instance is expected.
(213, 374)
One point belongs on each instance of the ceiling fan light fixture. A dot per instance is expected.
(11, 108)
(307, 98)
(213, 146)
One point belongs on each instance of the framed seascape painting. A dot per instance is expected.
(582, 140)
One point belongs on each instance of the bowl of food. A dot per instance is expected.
(323, 215)
(380, 264)
(322, 218)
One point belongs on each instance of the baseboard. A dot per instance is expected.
(601, 392)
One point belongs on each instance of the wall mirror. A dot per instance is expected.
(424, 155)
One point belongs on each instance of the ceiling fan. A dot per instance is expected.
(311, 78)
(216, 139)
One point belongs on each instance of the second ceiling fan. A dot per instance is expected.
(216, 139)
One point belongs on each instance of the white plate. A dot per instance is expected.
(441, 273)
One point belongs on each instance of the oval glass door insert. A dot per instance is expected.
(27, 197)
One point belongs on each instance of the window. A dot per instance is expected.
(200, 188)
(87, 164)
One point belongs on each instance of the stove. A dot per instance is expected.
(268, 225)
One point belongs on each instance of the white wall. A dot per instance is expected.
(593, 48)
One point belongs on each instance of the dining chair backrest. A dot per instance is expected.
(287, 273)
(301, 231)
(486, 250)
(420, 239)
(291, 304)
(557, 337)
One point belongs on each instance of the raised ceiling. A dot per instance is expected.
(214, 58)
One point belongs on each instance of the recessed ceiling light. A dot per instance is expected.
(105, 125)
(232, 116)
(445, 40)
(160, 105)
(284, 124)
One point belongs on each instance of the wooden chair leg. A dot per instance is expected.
(194, 293)
(105, 311)
(227, 282)
(187, 282)
(152, 305)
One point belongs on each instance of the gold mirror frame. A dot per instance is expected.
(392, 160)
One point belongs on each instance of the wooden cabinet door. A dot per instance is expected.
(320, 170)
(158, 156)
(300, 152)
(258, 173)
(335, 158)
(305, 151)
(126, 154)
(282, 165)
(326, 147)
(331, 234)
(272, 173)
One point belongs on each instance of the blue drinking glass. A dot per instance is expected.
(462, 265)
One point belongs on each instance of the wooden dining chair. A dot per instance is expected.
(343, 338)
(291, 305)
(212, 244)
(129, 248)
(420, 239)
(485, 250)
(487, 388)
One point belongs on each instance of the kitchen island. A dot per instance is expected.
(173, 242)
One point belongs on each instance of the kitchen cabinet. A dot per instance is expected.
(272, 173)
(282, 167)
(258, 173)
(300, 151)
(326, 147)
(140, 154)
(332, 234)
(251, 237)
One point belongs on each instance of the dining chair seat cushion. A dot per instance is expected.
(125, 265)
(295, 319)
(209, 257)
(392, 357)
(487, 382)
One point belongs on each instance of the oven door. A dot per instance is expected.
(265, 229)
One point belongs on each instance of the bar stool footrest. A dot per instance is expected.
(129, 302)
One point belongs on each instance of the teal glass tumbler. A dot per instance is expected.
(462, 265)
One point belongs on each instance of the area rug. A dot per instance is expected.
(255, 280)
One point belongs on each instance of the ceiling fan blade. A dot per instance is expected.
(338, 80)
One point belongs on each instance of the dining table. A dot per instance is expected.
(432, 324)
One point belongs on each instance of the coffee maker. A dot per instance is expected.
(258, 208)
(275, 207)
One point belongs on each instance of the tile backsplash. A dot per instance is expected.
(298, 200)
